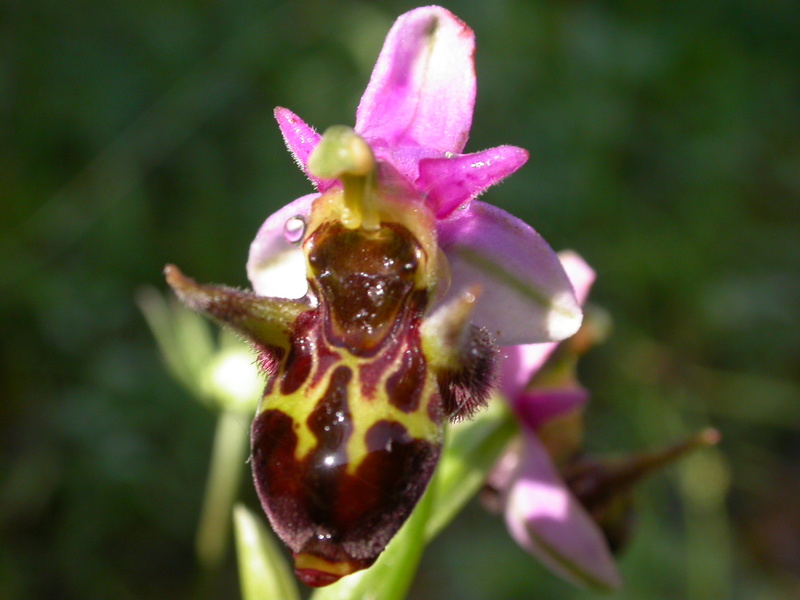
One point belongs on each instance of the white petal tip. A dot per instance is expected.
(565, 317)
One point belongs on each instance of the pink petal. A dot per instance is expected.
(580, 274)
(537, 407)
(276, 265)
(422, 90)
(405, 159)
(300, 139)
(520, 364)
(548, 521)
(449, 182)
(526, 296)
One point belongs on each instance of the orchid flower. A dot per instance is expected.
(416, 115)
(542, 514)
(380, 301)
(569, 510)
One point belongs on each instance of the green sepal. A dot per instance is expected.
(263, 571)
(265, 321)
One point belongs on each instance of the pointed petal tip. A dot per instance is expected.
(300, 139)
(179, 282)
(580, 274)
(451, 181)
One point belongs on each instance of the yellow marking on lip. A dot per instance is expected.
(309, 561)
(364, 413)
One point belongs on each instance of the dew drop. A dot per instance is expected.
(294, 229)
(375, 292)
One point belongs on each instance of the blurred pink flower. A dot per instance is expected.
(541, 512)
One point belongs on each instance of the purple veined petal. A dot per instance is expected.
(545, 519)
(422, 90)
(276, 265)
(449, 182)
(526, 296)
(537, 407)
(300, 139)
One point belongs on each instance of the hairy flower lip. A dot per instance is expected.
(416, 114)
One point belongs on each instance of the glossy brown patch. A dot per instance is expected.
(387, 485)
(405, 386)
(332, 425)
(298, 366)
(300, 359)
(364, 278)
(320, 509)
(274, 466)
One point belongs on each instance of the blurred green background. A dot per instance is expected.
(665, 148)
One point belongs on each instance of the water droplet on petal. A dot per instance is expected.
(294, 229)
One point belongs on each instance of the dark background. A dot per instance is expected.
(665, 148)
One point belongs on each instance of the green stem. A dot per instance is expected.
(472, 449)
(227, 461)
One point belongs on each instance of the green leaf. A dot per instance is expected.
(263, 571)
(225, 472)
(471, 450)
(184, 338)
